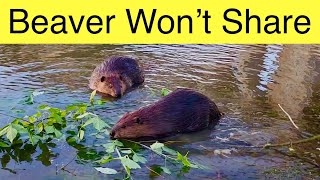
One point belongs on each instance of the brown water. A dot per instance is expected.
(246, 81)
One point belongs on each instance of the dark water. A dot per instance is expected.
(246, 81)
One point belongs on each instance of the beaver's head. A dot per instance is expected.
(134, 125)
(111, 84)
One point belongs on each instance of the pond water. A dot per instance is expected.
(247, 82)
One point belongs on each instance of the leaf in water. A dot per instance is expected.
(110, 147)
(19, 128)
(57, 133)
(80, 134)
(83, 115)
(166, 170)
(92, 96)
(98, 136)
(49, 129)
(44, 107)
(88, 122)
(11, 133)
(99, 124)
(126, 161)
(106, 170)
(4, 130)
(37, 93)
(39, 127)
(32, 119)
(105, 159)
(100, 102)
(3, 144)
(169, 151)
(117, 143)
(35, 139)
(126, 151)
(157, 147)
(57, 118)
(29, 100)
(138, 158)
(164, 91)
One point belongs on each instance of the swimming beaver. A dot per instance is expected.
(115, 75)
(182, 111)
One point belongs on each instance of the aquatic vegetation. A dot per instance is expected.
(22, 137)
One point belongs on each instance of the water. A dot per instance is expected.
(246, 81)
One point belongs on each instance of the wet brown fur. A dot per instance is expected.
(116, 75)
(182, 111)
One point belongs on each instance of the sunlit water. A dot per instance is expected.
(246, 81)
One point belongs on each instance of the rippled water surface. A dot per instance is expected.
(246, 81)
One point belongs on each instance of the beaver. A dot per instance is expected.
(116, 75)
(182, 111)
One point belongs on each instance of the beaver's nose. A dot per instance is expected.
(112, 133)
(118, 94)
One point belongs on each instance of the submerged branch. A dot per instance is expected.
(317, 137)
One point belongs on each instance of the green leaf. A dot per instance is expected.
(3, 144)
(29, 100)
(157, 147)
(99, 124)
(126, 151)
(19, 128)
(105, 159)
(92, 96)
(80, 134)
(126, 161)
(106, 170)
(11, 133)
(110, 147)
(83, 115)
(39, 127)
(32, 119)
(166, 170)
(34, 139)
(57, 118)
(88, 122)
(117, 143)
(138, 158)
(4, 130)
(57, 133)
(164, 91)
(98, 136)
(44, 107)
(49, 129)
(169, 151)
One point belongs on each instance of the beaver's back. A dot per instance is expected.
(183, 110)
(124, 66)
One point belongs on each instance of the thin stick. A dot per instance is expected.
(293, 142)
(289, 117)
(153, 171)
(119, 154)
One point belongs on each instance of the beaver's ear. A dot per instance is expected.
(103, 79)
(138, 120)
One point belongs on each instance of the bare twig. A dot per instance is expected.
(119, 154)
(153, 171)
(293, 142)
(289, 117)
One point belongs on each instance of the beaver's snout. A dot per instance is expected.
(112, 134)
(118, 94)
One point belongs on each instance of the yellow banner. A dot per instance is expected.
(159, 22)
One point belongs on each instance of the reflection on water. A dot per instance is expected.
(246, 81)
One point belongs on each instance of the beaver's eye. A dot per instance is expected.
(138, 121)
(120, 78)
(102, 78)
(124, 126)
